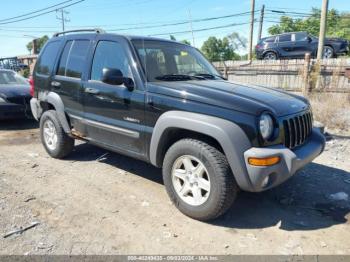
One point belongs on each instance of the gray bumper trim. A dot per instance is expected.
(291, 161)
(36, 108)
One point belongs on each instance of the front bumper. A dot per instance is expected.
(12, 111)
(291, 161)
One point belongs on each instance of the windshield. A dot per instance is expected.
(10, 77)
(168, 61)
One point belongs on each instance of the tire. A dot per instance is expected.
(50, 126)
(328, 52)
(223, 187)
(270, 56)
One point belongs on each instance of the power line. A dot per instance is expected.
(36, 11)
(199, 30)
(182, 22)
(44, 13)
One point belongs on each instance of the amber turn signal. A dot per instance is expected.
(268, 161)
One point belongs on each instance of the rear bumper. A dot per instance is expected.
(291, 161)
(11, 111)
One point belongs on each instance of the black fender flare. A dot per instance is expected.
(230, 136)
(55, 100)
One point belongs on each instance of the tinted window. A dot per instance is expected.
(109, 55)
(47, 58)
(285, 38)
(300, 37)
(270, 40)
(73, 58)
(10, 77)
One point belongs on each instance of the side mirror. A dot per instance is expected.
(309, 39)
(114, 76)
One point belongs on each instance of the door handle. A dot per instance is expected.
(91, 90)
(56, 84)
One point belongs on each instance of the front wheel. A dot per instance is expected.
(328, 52)
(198, 179)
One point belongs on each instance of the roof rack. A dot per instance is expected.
(96, 30)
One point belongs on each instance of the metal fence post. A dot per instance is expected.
(306, 75)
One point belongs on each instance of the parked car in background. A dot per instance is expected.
(296, 45)
(14, 95)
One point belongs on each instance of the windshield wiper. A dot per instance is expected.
(179, 77)
(210, 76)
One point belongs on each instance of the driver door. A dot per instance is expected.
(114, 116)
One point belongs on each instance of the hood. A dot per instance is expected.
(335, 39)
(250, 99)
(14, 90)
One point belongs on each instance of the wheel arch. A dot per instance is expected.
(271, 51)
(225, 135)
(52, 100)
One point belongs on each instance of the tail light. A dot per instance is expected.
(258, 46)
(31, 83)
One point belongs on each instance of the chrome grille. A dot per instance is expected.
(297, 129)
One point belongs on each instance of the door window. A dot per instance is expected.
(300, 37)
(285, 38)
(109, 54)
(73, 58)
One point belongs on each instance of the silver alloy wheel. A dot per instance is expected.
(50, 134)
(270, 56)
(327, 52)
(191, 180)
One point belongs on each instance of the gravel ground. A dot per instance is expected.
(88, 204)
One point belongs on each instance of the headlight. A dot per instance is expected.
(2, 100)
(266, 126)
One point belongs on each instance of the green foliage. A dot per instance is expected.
(25, 72)
(338, 24)
(40, 43)
(185, 42)
(182, 41)
(216, 49)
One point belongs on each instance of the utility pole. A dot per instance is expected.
(262, 13)
(62, 17)
(250, 51)
(323, 28)
(190, 17)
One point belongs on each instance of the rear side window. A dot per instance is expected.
(73, 58)
(109, 54)
(47, 58)
(270, 40)
(285, 38)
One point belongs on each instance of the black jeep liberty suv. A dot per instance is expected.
(162, 102)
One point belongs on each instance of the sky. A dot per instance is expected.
(114, 15)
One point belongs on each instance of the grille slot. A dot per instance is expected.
(297, 129)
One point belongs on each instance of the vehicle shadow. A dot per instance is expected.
(302, 203)
(18, 124)
(88, 152)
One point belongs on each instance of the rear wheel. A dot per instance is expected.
(198, 179)
(56, 142)
(270, 56)
(328, 52)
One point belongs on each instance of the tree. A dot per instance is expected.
(337, 24)
(216, 49)
(185, 41)
(40, 43)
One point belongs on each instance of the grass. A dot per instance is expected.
(332, 110)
